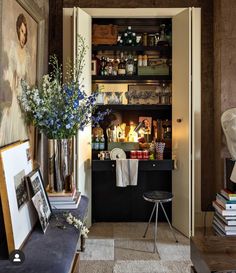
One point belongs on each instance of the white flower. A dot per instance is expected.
(78, 224)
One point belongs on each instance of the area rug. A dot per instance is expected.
(98, 250)
(121, 249)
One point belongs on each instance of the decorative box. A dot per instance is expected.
(104, 34)
(126, 146)
(162, 69)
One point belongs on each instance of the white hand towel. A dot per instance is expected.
(126, 172)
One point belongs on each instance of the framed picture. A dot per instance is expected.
(40, 198)
(42, 208)
(147, 125)
(18, 211)
(22, 31)
(143, 94)
(94, 67)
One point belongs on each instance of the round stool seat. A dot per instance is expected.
(158, 196)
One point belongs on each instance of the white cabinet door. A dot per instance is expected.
(185, 116)
(82, 26)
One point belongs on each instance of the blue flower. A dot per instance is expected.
(80, 95)
(68, 126)
(76, 103)
(69, 92)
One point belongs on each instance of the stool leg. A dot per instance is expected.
(169, 223)
(144, 235)
(155, 229)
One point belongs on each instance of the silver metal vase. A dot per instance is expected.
(61, 161)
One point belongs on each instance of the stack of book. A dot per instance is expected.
(224, 221)
(64, 200)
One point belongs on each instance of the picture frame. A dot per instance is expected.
(147, 125)
(94, 67)
(143, 94)
(39, 197)
(19, 214)
(22, 56)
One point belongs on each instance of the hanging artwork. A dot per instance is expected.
(20, 35)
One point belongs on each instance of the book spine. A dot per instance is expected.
(228, 195)
(225, 205)
(222, 211)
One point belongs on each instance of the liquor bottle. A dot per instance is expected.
(163, 41)
(96, 143)
(115, 66)
(121, 66)
(130, 65)
(109, 67)
(93, 142)
(135, 65)
(102, 143)
(102, 66)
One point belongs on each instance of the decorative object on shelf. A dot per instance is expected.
(128, 37)
(104, 34)
(163, 40)
(148, 94)
(159, 150)
(117, 153)
(146, 127)
(60, 118)
(18, 211)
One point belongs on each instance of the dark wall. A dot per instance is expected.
(207, 104)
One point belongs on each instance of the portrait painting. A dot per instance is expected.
(147, 125)
(18, 61)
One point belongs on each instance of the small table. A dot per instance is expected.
(212, 254)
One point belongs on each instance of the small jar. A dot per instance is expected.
(151, 39)
(140, 60)
(145, 59)
(133, 154)
(144, 39)
(157, 38)
(139, 154)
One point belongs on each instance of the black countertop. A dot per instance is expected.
(143, 165)
(52, 252)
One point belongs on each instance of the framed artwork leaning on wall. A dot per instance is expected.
(18, 211)
(39, 197)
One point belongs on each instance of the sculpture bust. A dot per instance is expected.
(228, 122)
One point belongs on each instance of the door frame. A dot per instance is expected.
(160, 13)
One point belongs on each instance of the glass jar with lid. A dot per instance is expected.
(151, 39)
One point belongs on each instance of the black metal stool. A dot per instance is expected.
(158, 197)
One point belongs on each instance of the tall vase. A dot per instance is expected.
(51, 164)
(62, 163)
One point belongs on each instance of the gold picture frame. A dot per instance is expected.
(18, 212)
(22, 44)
